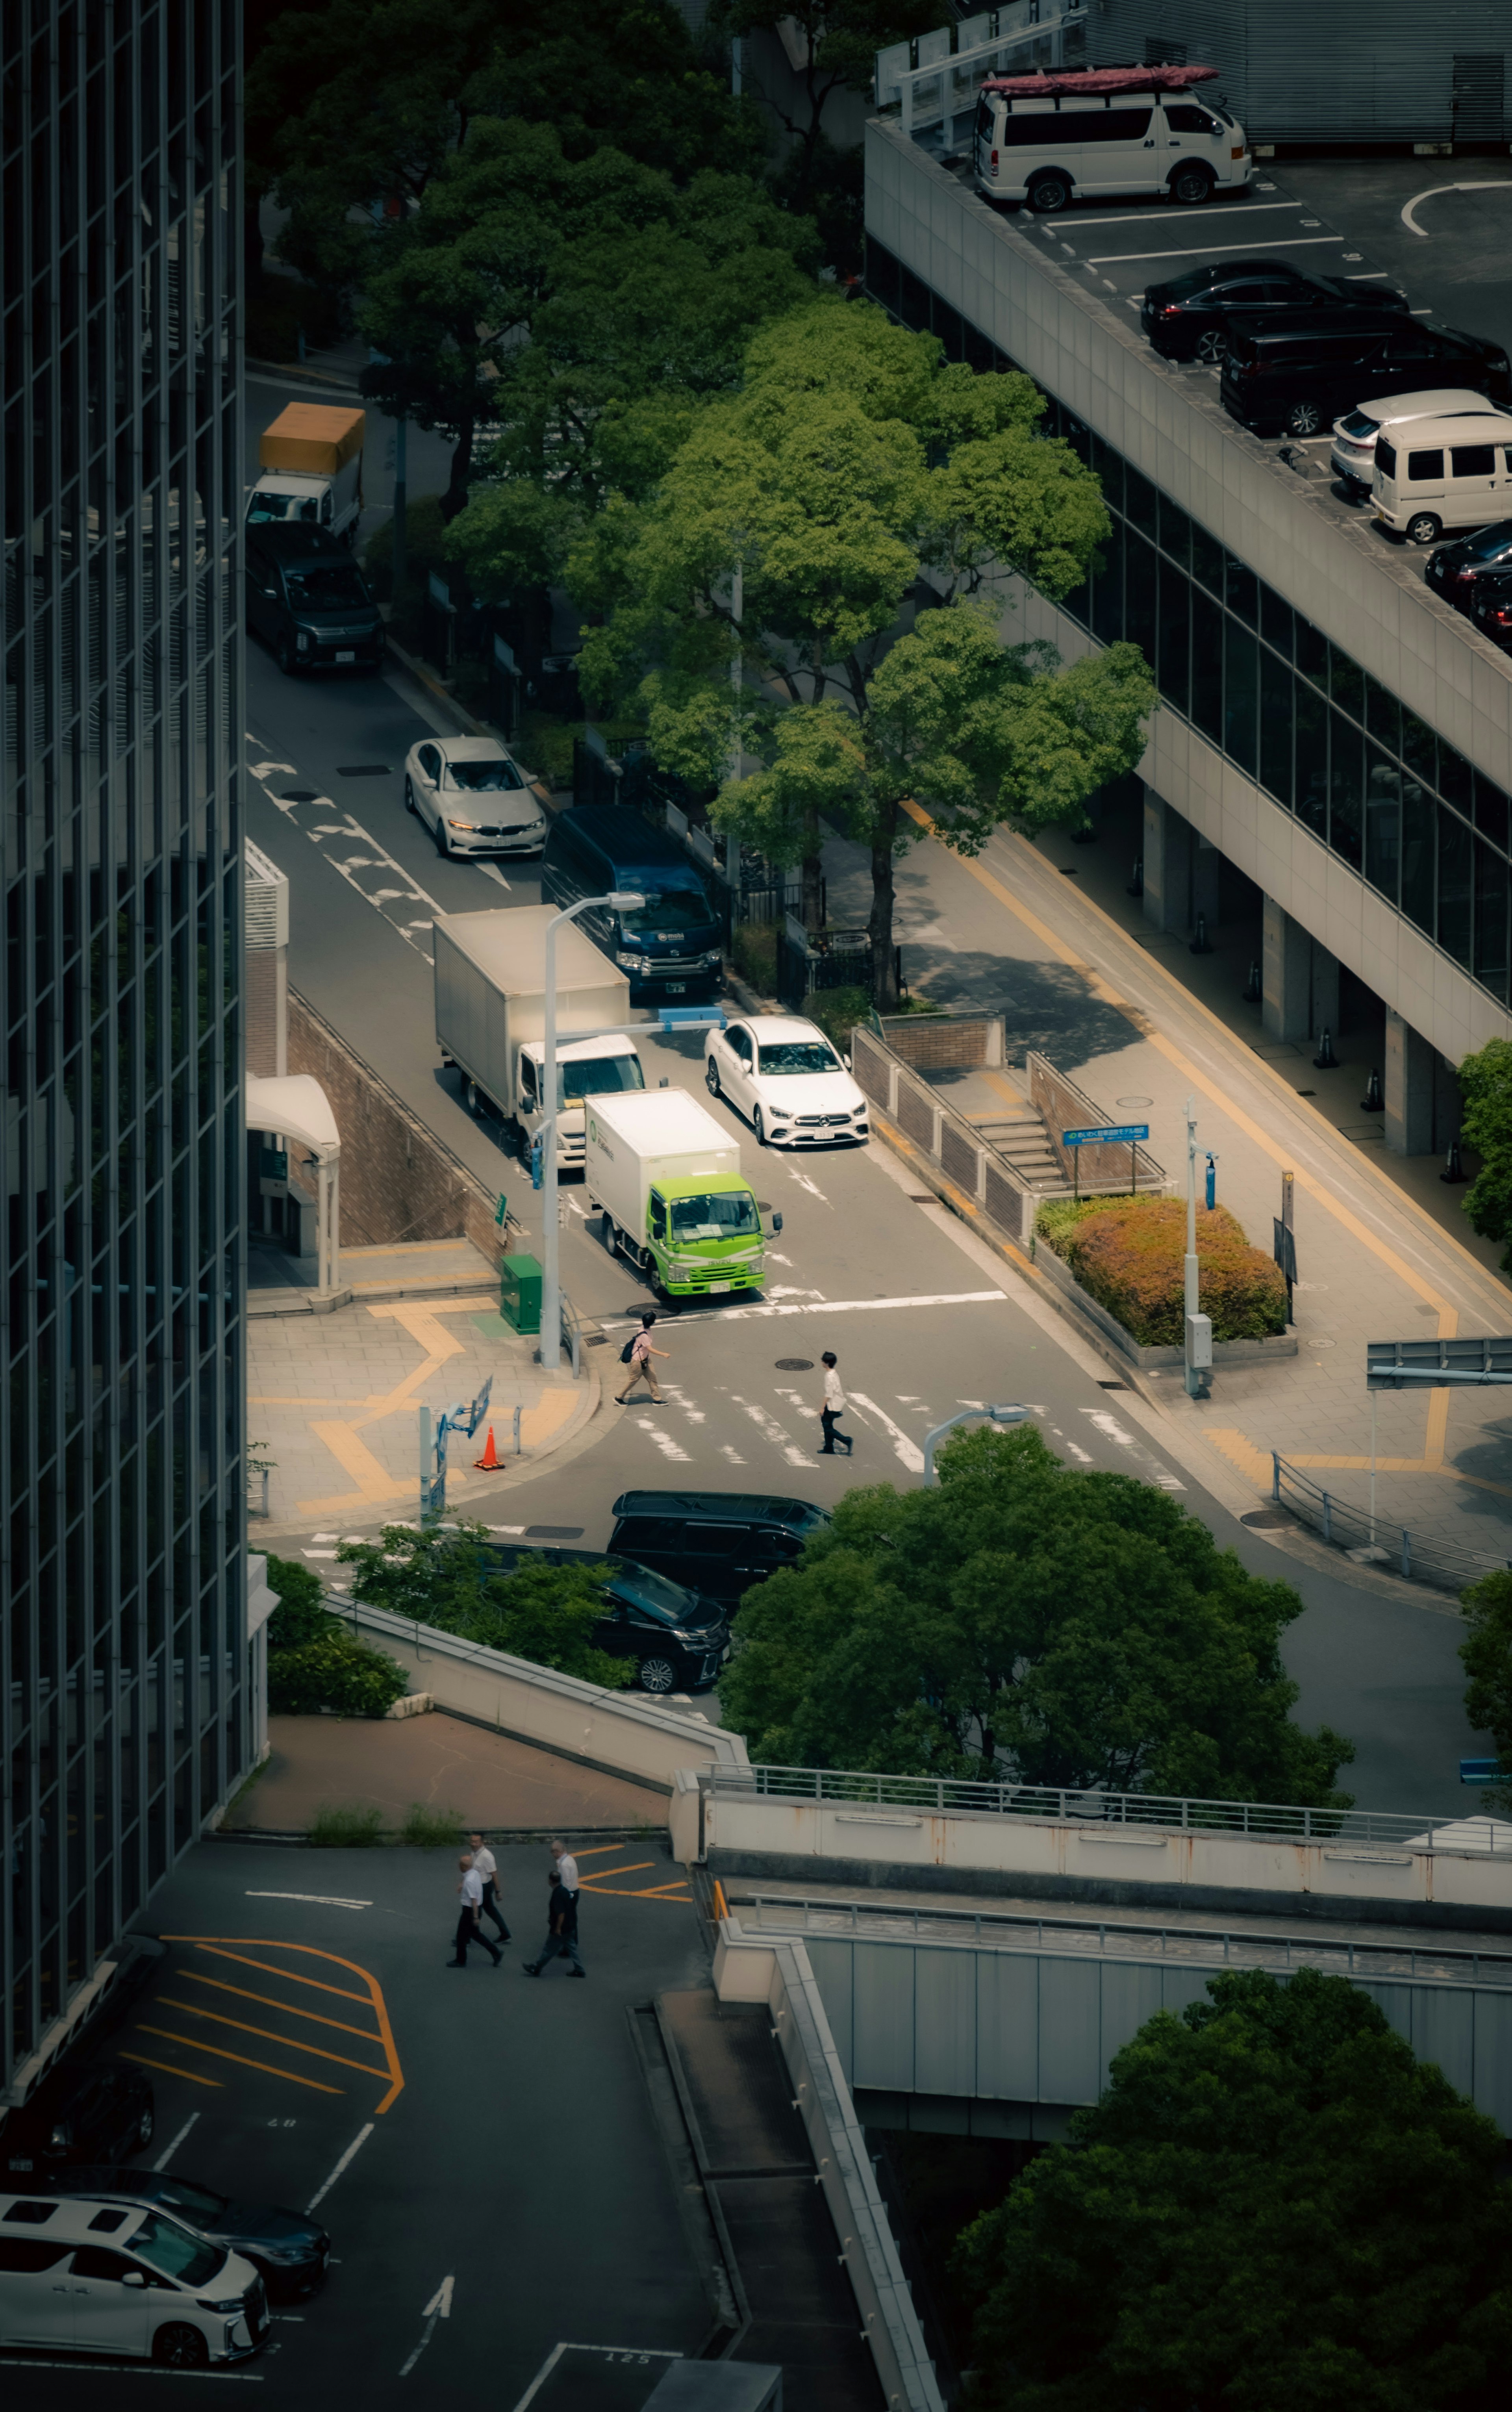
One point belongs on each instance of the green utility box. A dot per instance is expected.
(519, 1293)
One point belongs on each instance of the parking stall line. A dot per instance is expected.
(135, 2370)
(225, 1948)
(344, 1993)
(193, 2043)
(340, 2171)
(162, 2159)
(1195, 251)
(631, 1868)
(165, 2069)
(270, 2034)
(270, 2002)
(1146, 217)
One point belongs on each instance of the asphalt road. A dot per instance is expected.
(481, 2144)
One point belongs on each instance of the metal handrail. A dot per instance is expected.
(1072, 1805)
(1418, 1557)
(1222, 1944)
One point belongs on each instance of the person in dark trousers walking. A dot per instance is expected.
(487, 1869)
(560, 1933)
(833, 1408)
(470, 1919)
(641, 1369)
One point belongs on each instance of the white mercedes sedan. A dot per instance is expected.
(787, 1079)
(473, 797)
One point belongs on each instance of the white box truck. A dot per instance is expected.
(311, 459)
(675, 1202)
(491, 1022)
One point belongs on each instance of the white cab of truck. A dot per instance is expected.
(310, 459)
(491, 1022)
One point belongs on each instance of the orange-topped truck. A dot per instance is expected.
(310, 459)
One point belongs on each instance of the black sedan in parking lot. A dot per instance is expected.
(291, 2252)
(1458, 573)
(1187, 317)
(1490, 608)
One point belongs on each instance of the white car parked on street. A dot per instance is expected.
(786, 1077)
(473, 797)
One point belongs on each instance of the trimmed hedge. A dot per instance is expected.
(336, 1673)
(1128, 1253)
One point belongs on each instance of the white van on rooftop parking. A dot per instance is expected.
(84, 2277)
(1106, 133)
(1435, 474)
(1353, 450)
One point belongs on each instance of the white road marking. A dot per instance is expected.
(492, 871)
(1146, 217)
(1485, 184)
(261, 770)
(317, 1553)
(794, 1400)
(1082, 1456)
(1104, 1422)
(340, 2171)
(438, 2308)
(162, 2159)
(788, 1289)
(680, 1399)
(1195, 251)
(767, 1425)
(144, 2370)
(907, 1450)
(804, 1183)
(820, 1306)
(731, 1456)
(663, 1440)
(326, 1900)
(411, 893)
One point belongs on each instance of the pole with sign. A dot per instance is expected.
(1109, 1135)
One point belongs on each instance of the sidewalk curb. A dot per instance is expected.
(590, 1399)
(1222, 1481)
(265, 1302)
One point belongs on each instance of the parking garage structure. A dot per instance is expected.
(1332, 754)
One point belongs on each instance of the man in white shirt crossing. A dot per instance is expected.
(470, 1919)
(488, 1870)
(833, 1410)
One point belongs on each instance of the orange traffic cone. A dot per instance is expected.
(490, 1463)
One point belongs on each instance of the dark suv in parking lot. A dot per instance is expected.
(678, 1637)
(1187, 317)
(1300, 370)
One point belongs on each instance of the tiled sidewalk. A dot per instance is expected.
(1008, 931)
(333, 1402)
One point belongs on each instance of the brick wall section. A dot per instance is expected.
(1061, 1107)
(945, 1041)
(398, 1181)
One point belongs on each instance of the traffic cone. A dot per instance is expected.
(1373, 1102)
(490, 1463)
(1201, 944)
(1136, 886)
(1453, 1170)
(1255, 991)
(1326, 1060)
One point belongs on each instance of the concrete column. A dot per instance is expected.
(1167, 865)
(1325, 986)
(1409, 1083)
(1206, 860)
(1287, 972)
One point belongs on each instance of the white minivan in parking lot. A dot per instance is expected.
(1352, 453)
(82, 2277)
(1104, 133)
(1442, 473)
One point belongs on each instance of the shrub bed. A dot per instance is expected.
(1128, 1252)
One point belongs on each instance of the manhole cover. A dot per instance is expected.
(553, 1532)
(597, 1340)
(362, 770)
(795, 1364)
(299, 795)
(1268, 1520)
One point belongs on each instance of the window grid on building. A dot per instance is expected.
(1327, 741)
(123, 1710)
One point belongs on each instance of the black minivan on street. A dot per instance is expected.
(721, 1541)
(308, 600)
(1295, 371)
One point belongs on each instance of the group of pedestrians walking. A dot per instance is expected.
(638, 1352)
(479, 1894)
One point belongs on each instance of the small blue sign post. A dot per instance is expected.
(1111, 1134)
(1484, 1771)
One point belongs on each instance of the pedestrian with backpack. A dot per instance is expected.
(637, 1354)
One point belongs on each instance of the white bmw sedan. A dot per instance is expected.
(473, 797)
(786, 1077)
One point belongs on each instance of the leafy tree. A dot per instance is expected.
(1485, 1656)
(446, 1577)
(300, 1615)
(840, 40)
(1486, 1081)
(637, 326)
(1024, 1621)
(336, 1673)
(1273, 2208)
(854, 473)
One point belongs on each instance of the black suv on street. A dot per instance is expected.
(308, 600)
(722, 1540)
(678, 1637)
(1300, 370)
(101, 2113)
(1186, 318)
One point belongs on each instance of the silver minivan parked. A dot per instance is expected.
(1352, 453)
(1106, 133)
(81, 2276)
(1442, 473)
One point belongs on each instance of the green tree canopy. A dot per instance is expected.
(300, 1615)
(1486, 1081)
(1485, 1656)
(856, 481)
(1273, 2208)
(1027, 1623)
(444, 1577)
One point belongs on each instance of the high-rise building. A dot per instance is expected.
(123, 1708)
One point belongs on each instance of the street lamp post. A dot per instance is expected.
(1198, 1351)
(619, 901)
(999, 1416)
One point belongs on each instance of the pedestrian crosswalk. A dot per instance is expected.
(757, 1428)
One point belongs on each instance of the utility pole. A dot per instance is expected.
(628, 900)
(1197, 1325)
(400, 497)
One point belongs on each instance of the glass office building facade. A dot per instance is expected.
(1324, 740)
(123, 1656)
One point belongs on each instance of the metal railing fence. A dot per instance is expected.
(1073, 1806)
(1418, 1557)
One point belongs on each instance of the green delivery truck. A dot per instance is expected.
(675, 1202)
